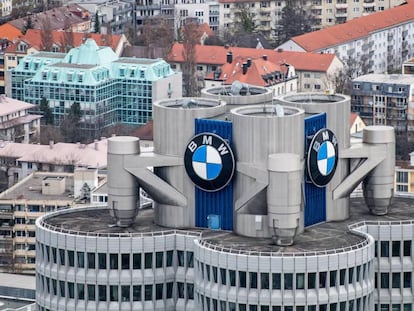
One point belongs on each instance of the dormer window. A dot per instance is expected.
(22, 47)
(80, 76)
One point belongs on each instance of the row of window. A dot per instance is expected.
(210, 304)
(114, 260)
(398, 248)
(122, 293)
(395, 279)
(264, 280)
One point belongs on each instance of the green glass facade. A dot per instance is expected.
(109, 90)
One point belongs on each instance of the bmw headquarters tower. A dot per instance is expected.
(251, 212)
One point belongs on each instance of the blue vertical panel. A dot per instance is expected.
(315, 197)
(218, 202)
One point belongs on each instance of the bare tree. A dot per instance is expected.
(190, 40)
(68, 40)
(46, 35)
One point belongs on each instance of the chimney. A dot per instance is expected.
(249, 62)
(245, 68)
(96, 144)
(229, 57)
(51, 143)
(264, 57)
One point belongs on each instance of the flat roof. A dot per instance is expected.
(322, 237)
(140, 61)
(386, 78)
(17, 281)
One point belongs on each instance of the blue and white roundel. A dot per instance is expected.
(207, 162)
(326, 158)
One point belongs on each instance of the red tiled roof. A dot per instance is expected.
(352, 118)
(355, 28)
(216, 55)
(33, 38)
(8, 31)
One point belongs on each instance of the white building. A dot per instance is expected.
(376, 43)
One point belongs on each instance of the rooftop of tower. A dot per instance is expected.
(325, 237)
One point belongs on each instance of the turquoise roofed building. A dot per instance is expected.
(110, 90)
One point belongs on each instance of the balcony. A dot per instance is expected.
(368, 5)
(341, 5)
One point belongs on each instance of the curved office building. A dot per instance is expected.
(251, 212)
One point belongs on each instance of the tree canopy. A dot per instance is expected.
(295, 21)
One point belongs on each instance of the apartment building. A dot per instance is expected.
(110, 90)
(382, 99)
(408, 66)
(376, 43)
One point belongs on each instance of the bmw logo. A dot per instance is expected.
(209, 162)
(322, 157)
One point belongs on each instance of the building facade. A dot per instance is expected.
(377, 43)
(109, 90)
(382, 99)
(212, 242)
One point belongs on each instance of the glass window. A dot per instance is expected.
(288, 280)
(358, 273)
(102, 261)
(136, 293)
(190, 290)
(242, 279)
(62, 257)
(313, 308)
(385, 248)
(407, 248)
(170, 255)
(385, 307)
(253, 279)
(350, 275)
(71, 290)
(125, 294)
(396, 280)
(342, 276)
(113, 293)
(170, 286)
(62, 288)
(158, 291)
(180, 289)
(223, 276)
(232, 277)
(113, 262)
(136, 261)
(125, 261)
(407, 279)
(300, 280)
(311, 280)
(332, 307)
(91, 260)
(102, 292)
(264, 280)
(159, 258)
(407, 307)
(71, 258)
(148, 292)
(385, 280)
(148, 262)
(208, 272)
(395, 248)
(252, 307)
(54, 287)
(190, 259)
(91, 292)
(396, 307)
(81, 291)
(322, 280)
(81, 259)
(276, 281)
(215, 275)
(332, 278)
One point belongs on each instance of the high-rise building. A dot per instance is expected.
(251, 212)
(109, 90)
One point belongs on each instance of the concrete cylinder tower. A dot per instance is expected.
(337, 109)
(259, 131)
(378, 185)
(172, 132)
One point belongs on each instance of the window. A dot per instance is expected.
(102, 261)
(148, 261)
(158, 291)
(170, 286)
(264, 280)
(385, 249)
(342, 277)
(300, 280)
(81, 291)
(395, 248)
(332, 278)
(180, 289)
(148, 292)
(159, 258)
(306, 86)
(170, 255)
(81, 259)
(102, 292)
(311, 280)
(385, 280)
(190, 259)
(136, 261)
(288, 280)
(190, 291)
(317, 86)
(71, 290)
(180, 257)
(62, 257)
(113, 261)
(242, 279)
(223, 276)
(125, 261)
(322, 279)
(276, 281)
(91, 260)
(357, 86)
(125, 294)
(91, 292)
(396, 279)
(136, 293)
(62, 288)
(215, 276)
(232, 277)
(407, 248)
(350, 275)
(71, 258)
(113, 292)
(253, 279)
(407, 279)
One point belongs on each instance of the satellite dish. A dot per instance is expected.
(278, 109)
